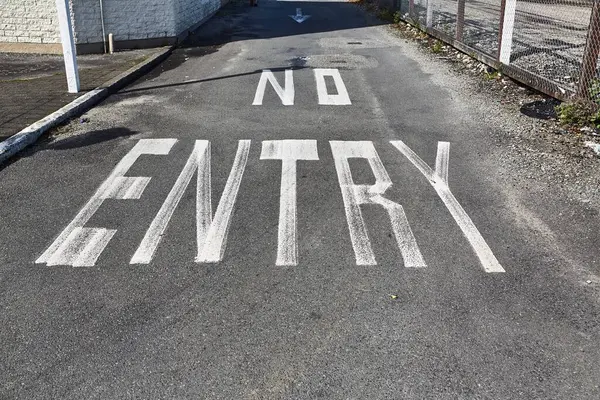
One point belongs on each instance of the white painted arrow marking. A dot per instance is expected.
(299, 18)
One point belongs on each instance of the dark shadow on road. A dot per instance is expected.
(89, 139)
(237, 21)
(193, 81)
(541, 109)
(74, 142)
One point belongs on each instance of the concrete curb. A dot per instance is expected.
(32, 133)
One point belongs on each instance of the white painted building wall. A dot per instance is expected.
(137, 20)
(35, 21)
(125, 19)
(190, 12)
(28, 21)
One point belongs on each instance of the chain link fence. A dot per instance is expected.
(552, 45)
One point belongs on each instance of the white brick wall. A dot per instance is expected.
(28, 21)
(138, 19)
(189, 12)
(126, 19)
(35, 21)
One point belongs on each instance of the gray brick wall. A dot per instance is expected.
(125, 19)
(189, 12)
(28, 21)
(138, 19)
(35, 21)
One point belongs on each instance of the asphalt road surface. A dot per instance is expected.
(290, 210)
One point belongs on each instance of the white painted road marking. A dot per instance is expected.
(438, 180)
(286, 95)
(79, 246)
(299, 18)
(442, 160)
(356, 195)
(289, 152)
(216, 237)
(340, 99)
(211, 234)
(127, 188)
(83, 247)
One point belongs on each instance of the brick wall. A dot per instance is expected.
(28, 21)
(190, 12)
(125, 19)
(137, 19)
(35, 21)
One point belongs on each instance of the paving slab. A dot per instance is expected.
(33, 85)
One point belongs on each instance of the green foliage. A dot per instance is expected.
(397, 17)
(595, 119)
(437, 46)
(495, 74)
(594, 90)
(578, 113)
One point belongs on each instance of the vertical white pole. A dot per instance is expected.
(507, 32)
(430, 13)
(68, 45)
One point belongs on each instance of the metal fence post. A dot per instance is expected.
(590, 55)
(507, 27)
(429, 13)
(68, 45)
(411, 8)
(460, 20)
